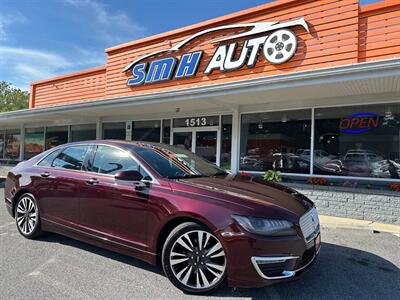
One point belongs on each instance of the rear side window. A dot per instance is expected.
(71, 158)
(109, 160)
(48, 160)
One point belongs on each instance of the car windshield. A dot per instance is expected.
(176, 163)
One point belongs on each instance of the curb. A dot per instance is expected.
(337, 222)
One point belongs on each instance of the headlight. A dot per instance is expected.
(271, 227)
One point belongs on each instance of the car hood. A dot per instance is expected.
(262, 198)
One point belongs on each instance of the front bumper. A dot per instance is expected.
(255, 261)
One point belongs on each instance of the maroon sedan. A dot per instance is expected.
(166, 206)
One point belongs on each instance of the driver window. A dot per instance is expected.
(109, 160)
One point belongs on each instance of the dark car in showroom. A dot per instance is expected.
(167, 206)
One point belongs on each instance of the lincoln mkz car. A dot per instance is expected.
(167, 206)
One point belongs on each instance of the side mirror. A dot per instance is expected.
(130, 175)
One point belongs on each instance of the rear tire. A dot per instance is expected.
(27, 216)
(193, 259)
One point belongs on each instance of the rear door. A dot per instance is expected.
(61, 182)
(113, 207)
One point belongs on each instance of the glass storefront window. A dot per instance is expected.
(166, 131)
(114, 131)
(146, 131)
(34, 142)
(83, 132)
(276, 140)
(2, 139)
(56, 136)
(12, 144)
(360, 141)
(226, 142)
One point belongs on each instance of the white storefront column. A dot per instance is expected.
(99, 129)
(235, 140)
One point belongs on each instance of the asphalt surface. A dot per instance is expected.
(353, 264)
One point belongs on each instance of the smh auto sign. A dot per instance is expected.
(274, 40)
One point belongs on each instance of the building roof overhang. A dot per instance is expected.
(356, 80)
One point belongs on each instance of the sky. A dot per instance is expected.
(45, 38)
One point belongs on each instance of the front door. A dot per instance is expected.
(204, 142)
(114, 208)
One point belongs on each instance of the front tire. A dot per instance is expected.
(193, 259)
(27, 217)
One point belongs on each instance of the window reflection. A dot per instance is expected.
(358, 141)
(34, 142)
(114, 131)
(83, 132)
(146, 131)
(278, 140)
(56, 136)
(12, 144)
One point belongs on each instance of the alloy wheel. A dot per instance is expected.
(197, 260)
(26, 215)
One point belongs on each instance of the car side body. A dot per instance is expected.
(117, 215)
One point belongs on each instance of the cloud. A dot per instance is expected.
(113, 27)
(23, 65)
(6, 20)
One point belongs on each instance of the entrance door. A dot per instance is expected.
(204, 142)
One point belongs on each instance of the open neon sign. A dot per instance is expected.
(359, 122)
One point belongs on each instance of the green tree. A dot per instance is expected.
(12, 98)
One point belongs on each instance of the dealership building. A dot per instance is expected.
(308, 88)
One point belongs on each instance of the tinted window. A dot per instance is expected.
(270, 139)
(173, 162)
(56, 136)
(109, 160)
(34, 142)
(48, 160)
(84, 132)
(362, 141)
(71, 158)
(114, 131)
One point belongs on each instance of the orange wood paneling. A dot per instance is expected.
(341, 32)
(333, 37)
(379, 27)
(80, 86)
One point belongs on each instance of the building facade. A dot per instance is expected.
(309, 88)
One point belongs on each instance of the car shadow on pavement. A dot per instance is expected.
(340, 273)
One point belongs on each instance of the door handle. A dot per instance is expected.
(92, 181)
(45, 174)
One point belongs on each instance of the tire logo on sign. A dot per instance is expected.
(277, 46)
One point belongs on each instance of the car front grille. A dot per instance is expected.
(309, 224)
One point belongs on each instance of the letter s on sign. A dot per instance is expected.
(139, 74)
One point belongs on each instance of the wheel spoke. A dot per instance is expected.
(207, 239)
(177, 254)
(189, 240)
(178, 261)
(219, 254)
(217, 267)
(186, 278)
(214, 249)
(20, 220)
(200, 241)
(204, 278)
(183, 244)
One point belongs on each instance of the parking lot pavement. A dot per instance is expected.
(353, 264)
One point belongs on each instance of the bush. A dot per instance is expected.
(272, 175)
